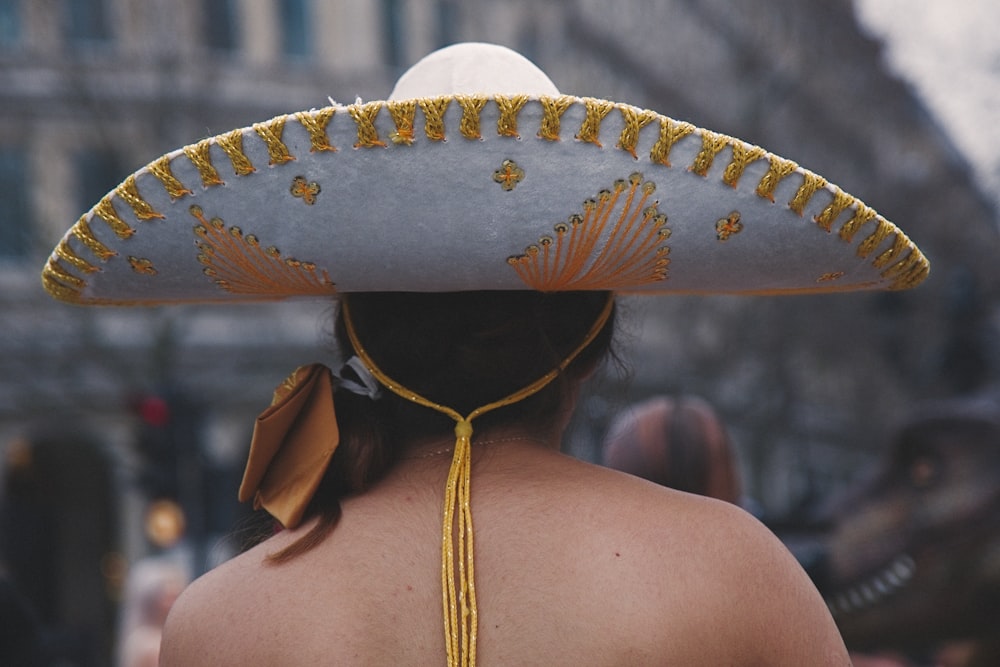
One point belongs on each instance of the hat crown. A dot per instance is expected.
(473, 68)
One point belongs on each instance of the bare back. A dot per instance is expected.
(575, 565)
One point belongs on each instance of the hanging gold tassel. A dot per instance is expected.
(458, 593)
(461, 611)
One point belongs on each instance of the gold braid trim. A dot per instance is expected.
(840, 202)
(862, 215)
(743, 155)
(85, 234)
(711, 145)
(271, 132)
(886, 257)
(635, 120)
(919, 268)
(315, 123)
(55, 279)
(105, 210)
(779, 169)
(552, 110)
(875, 239)
(162, 171)
(460, 610)
(201, 157)
(434, 109)
(403, 114)
(129, 193)
(914, 278)
(907, 272)
(232, 144)
(596, 110)
(509, 108)
(811, 183)
(65, 277)
(671, 131)
(472, 107)
(364, 117)
(65, 252)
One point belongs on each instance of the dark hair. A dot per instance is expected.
(458, 349)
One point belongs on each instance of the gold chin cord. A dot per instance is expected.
(458, 594)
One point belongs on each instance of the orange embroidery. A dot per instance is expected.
(305, 190)
(727, 226)
(508, 175)
(142, 265)
(583, 255)
(237, 263)
(829, 277)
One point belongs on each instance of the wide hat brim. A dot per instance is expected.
(470, 190)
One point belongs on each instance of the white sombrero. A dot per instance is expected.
(476, 174)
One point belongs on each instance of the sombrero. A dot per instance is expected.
(475, 174)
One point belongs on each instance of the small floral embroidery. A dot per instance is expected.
(306, 190)
(508, 175)
(141, 265)
(727, 226)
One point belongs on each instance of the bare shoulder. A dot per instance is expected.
(712, 568)
(210, 621)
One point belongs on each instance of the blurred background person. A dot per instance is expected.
(19, 634)
(152, 587)
(678, 442)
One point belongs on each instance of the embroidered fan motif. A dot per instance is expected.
(586, 254)
(237, 263)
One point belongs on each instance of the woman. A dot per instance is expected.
(579, 565)
(475, 228)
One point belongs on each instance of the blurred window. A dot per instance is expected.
(393, 25)
(86, 21)
(15, 205)
(98, 172)
(447, 22)
(10, 22)
(220, 24)
(296, 38)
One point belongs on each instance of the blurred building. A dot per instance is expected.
(104, 410)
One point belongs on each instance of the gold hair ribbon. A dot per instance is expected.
(293, 441)
(461, 615)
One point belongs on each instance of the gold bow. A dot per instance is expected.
(293, 441)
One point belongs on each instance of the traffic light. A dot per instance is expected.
(166, 443)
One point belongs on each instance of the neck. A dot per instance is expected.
(432, 448)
